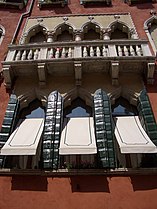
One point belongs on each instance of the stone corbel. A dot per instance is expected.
(7, 75)
(42, 73)
(78, 73)
(150, 73)
(115, 73)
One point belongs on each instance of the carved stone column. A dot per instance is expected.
(133, 34)
(78, 35)
(78, 73)
(50, 36)
(115, 73)
(42, 73)
(106, 33)
(23, 39)
(7, 75)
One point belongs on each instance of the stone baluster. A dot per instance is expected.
(70, 52)
(85, 53)
(30, 55)
(105, 51)
(120, 53)
(132, 51)
(91, 51)
(63, 55)
(98, 52)
(138, 50)
(57, 53)
(24, 55)
(126, 51)
(51, 53)
(36, 54)
(18, 56)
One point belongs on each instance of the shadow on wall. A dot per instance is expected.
(144, 182)
(29, 183)
(89, 184)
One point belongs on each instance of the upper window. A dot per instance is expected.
(123, 108)
(34, 110)
(78, 108)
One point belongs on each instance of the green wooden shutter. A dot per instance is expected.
(8, 122)
(52, 131)
(103, 129)
(146, 116)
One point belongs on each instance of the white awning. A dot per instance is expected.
(24, 140)
(131, 136)
(78, 137)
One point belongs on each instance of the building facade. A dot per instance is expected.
(78, 104)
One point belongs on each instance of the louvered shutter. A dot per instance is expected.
(52, 131)
(8, 122)
(103, 129)
(146, 116)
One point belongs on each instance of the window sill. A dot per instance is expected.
(71, 172)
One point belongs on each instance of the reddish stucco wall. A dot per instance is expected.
(8, 19)
(85, 192)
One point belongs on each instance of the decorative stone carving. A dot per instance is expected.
(133, 34)
(65, 19)
(50, 36)
(78, 35)
(91, 18)
(106, 33)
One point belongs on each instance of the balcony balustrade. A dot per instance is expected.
(77, 57)
(81, 50)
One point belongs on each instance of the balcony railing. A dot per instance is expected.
(130, 2)
(42, 3)
(14, 3)
(50, 52)
(108, 2)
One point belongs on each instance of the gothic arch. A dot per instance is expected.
(128, 94)
(150, 27)
(78, 92)
(32, 32)
(64, 31)
(2, 33)
(91, 30)
(120, 29)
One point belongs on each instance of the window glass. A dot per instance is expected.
(78, 108)
(34, 110)
(123, 108)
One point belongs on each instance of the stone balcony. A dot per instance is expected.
(77, 58)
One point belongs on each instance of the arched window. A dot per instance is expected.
(2, 33)
(77, 136)
(78, 108)
(33, 115)
(64, 33)
(91, 32)
(119, 31)
(123, 108)
(36, 35)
